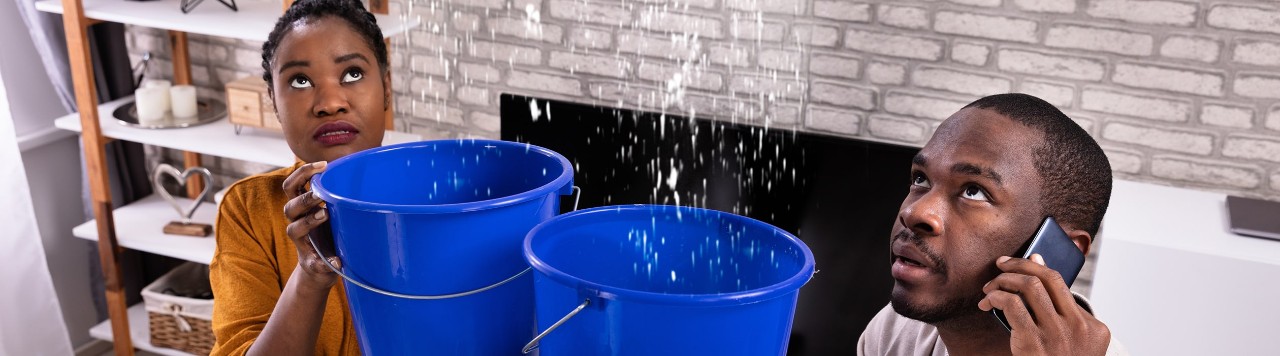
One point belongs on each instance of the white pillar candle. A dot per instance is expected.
(162, 84)
(183, 100)
(150, 104)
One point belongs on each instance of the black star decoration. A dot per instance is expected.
(188, 5)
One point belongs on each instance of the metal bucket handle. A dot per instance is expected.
(577, 192)
(533, 344)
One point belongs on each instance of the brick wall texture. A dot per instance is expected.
(1183, 93)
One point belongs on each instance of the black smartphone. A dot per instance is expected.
(1059, 253)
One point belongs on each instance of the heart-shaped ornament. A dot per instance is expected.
(181, 177)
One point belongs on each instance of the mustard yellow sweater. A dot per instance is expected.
(252, 263)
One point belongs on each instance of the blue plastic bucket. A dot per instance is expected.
(664, 280)
(430, 225)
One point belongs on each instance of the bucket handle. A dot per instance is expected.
(532, 345)
(409, 296)
(577, 195)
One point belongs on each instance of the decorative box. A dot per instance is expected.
(248, 104)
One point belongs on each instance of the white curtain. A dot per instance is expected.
(46, 35)
(30, 319)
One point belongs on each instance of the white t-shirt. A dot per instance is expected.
(890, 333)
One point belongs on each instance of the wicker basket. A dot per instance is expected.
(177, 322)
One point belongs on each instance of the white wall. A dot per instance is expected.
(51, 159)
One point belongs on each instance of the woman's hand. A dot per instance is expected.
(305, 215)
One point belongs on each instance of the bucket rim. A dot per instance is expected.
(558, 184)
(787, 286)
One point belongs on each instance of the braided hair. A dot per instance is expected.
(351, 11)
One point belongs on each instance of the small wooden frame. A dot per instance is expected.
(188, 229)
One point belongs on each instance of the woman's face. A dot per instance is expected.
(329, 92)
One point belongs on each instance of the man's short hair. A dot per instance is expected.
(1075, 173)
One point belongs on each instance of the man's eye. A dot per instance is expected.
(975, 193)
(919, 180)
(300, 82)
(352, 76)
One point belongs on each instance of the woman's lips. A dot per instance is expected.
(335, 133)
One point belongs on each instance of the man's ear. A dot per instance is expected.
(1081, 238)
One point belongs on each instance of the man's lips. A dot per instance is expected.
(910, 264)
(910, 255)
(335, 133)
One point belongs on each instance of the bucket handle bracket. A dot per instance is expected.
(533, 344)
(409, 296)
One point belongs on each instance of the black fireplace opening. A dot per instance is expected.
(839, 195)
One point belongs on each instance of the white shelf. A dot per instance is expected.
(217, 138)
(140, 226)
(139, 330)
(253, 22)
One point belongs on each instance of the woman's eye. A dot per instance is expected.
(973, 192)
(300, 82)
(352, 76)
(919, 180)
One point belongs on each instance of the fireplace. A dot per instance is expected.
(839, 195)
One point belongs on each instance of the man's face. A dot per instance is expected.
(974, 196)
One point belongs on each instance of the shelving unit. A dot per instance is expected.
(216, 138)
(140, 223)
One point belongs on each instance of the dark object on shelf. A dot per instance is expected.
(839, 195)
(188, 5)
(206, 293)
(1254, 217)
(207, 110)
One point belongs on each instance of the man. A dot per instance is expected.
(979, 189)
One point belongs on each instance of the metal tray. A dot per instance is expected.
(207, 110)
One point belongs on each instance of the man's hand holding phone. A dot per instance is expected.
(1059, 326)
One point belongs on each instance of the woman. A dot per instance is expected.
(326, 68)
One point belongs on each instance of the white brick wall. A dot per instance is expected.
(1148, 107)
(1182, 92)
(842, 10)
(1173, 13)
(1244, 18)
(1100, 39)
(970, 53)
(922, 106)
(1054, 6)
(1173, 140)
(1183, 80)
(1255, 52)
(1208, 173)
(1055, 65)
(986, 26)
(890, 44)
(1190, 47)
(833, 120)
(974, 84)
(903, 16)
(1240, 117)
